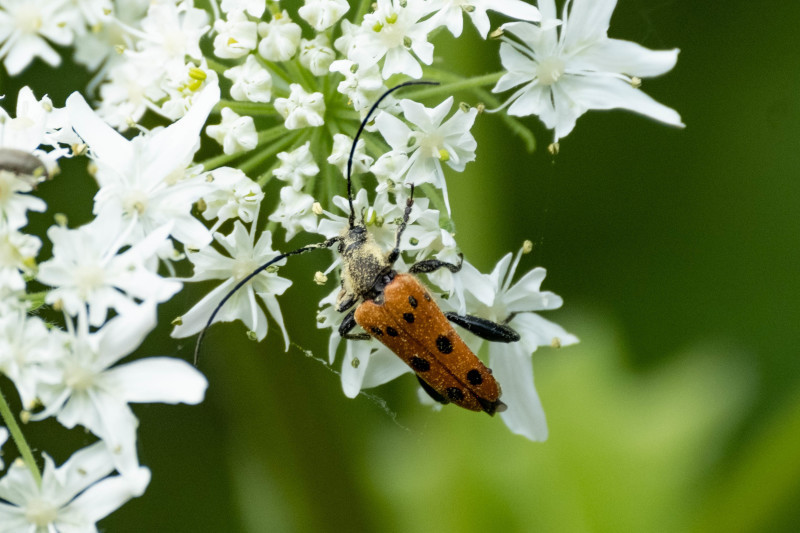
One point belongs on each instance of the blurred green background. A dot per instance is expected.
(675, 252)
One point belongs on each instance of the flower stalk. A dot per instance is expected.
(19, 439)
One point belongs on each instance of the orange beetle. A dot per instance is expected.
(398, 310)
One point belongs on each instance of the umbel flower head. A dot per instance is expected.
(299, 83)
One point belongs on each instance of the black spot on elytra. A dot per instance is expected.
(377, 331)
(455, 394)
(443, 344)
(391, 331)
(412, 301)
(474, 377)
(419, 364)
(427, 297)
(408, 317)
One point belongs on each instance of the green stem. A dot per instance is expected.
(264, 154)
(36, 299)
(216, 66)
(449, 88)
(264, 137)
(275, 69)
(19, 439)
(362, 10)
(221, 160)
(248, 108)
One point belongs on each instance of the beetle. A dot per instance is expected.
(397, 310)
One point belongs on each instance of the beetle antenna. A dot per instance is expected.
(325, 244)
(358, 134)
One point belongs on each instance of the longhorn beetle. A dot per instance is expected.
(396, 309)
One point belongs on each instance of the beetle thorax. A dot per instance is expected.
(364, 265)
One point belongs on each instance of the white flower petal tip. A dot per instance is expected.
(163, 380)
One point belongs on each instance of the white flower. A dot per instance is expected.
(100, 47)
(243, 258)
(295, 212)
(27, 25)
(426, 239)
(15, 202)
(144, 178)
(322, 14)
(362, 85)
(236, 36)
(129, 88)
(72, 497)
(297, 166)
(281, 37)
(36, 123)
(91, 392)
(26, 348)
(568, 72)
(17, 258)
(493, 297)
(450, 13)
(316, 55)
(393, 31)
(301, 109)
(173, 31)
(349, 31)
(381, 219)
(235, 133)
(183, 85)
(251, 81)
(94, 13)
(27, 131)
(340, 154)
(388, 170)
(236, 196)
(253, 7)
(87, 269)
(431, 142)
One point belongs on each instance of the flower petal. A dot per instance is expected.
(108, 145)
(626, 57)
(159, 379)
(394, 130)
(515, 8)
(103, 498)
(536, 331)
(173, 145)
(354, 366)
(125, 332)
(384, 366)
(85, 467)
(588, 20)
(600, 92)
(512, 366)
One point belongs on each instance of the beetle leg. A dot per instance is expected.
(429, 265)
(485, 329)
(395, 253)
(347, 325)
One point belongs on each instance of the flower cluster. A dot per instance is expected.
(103, 279)
(286, 92)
